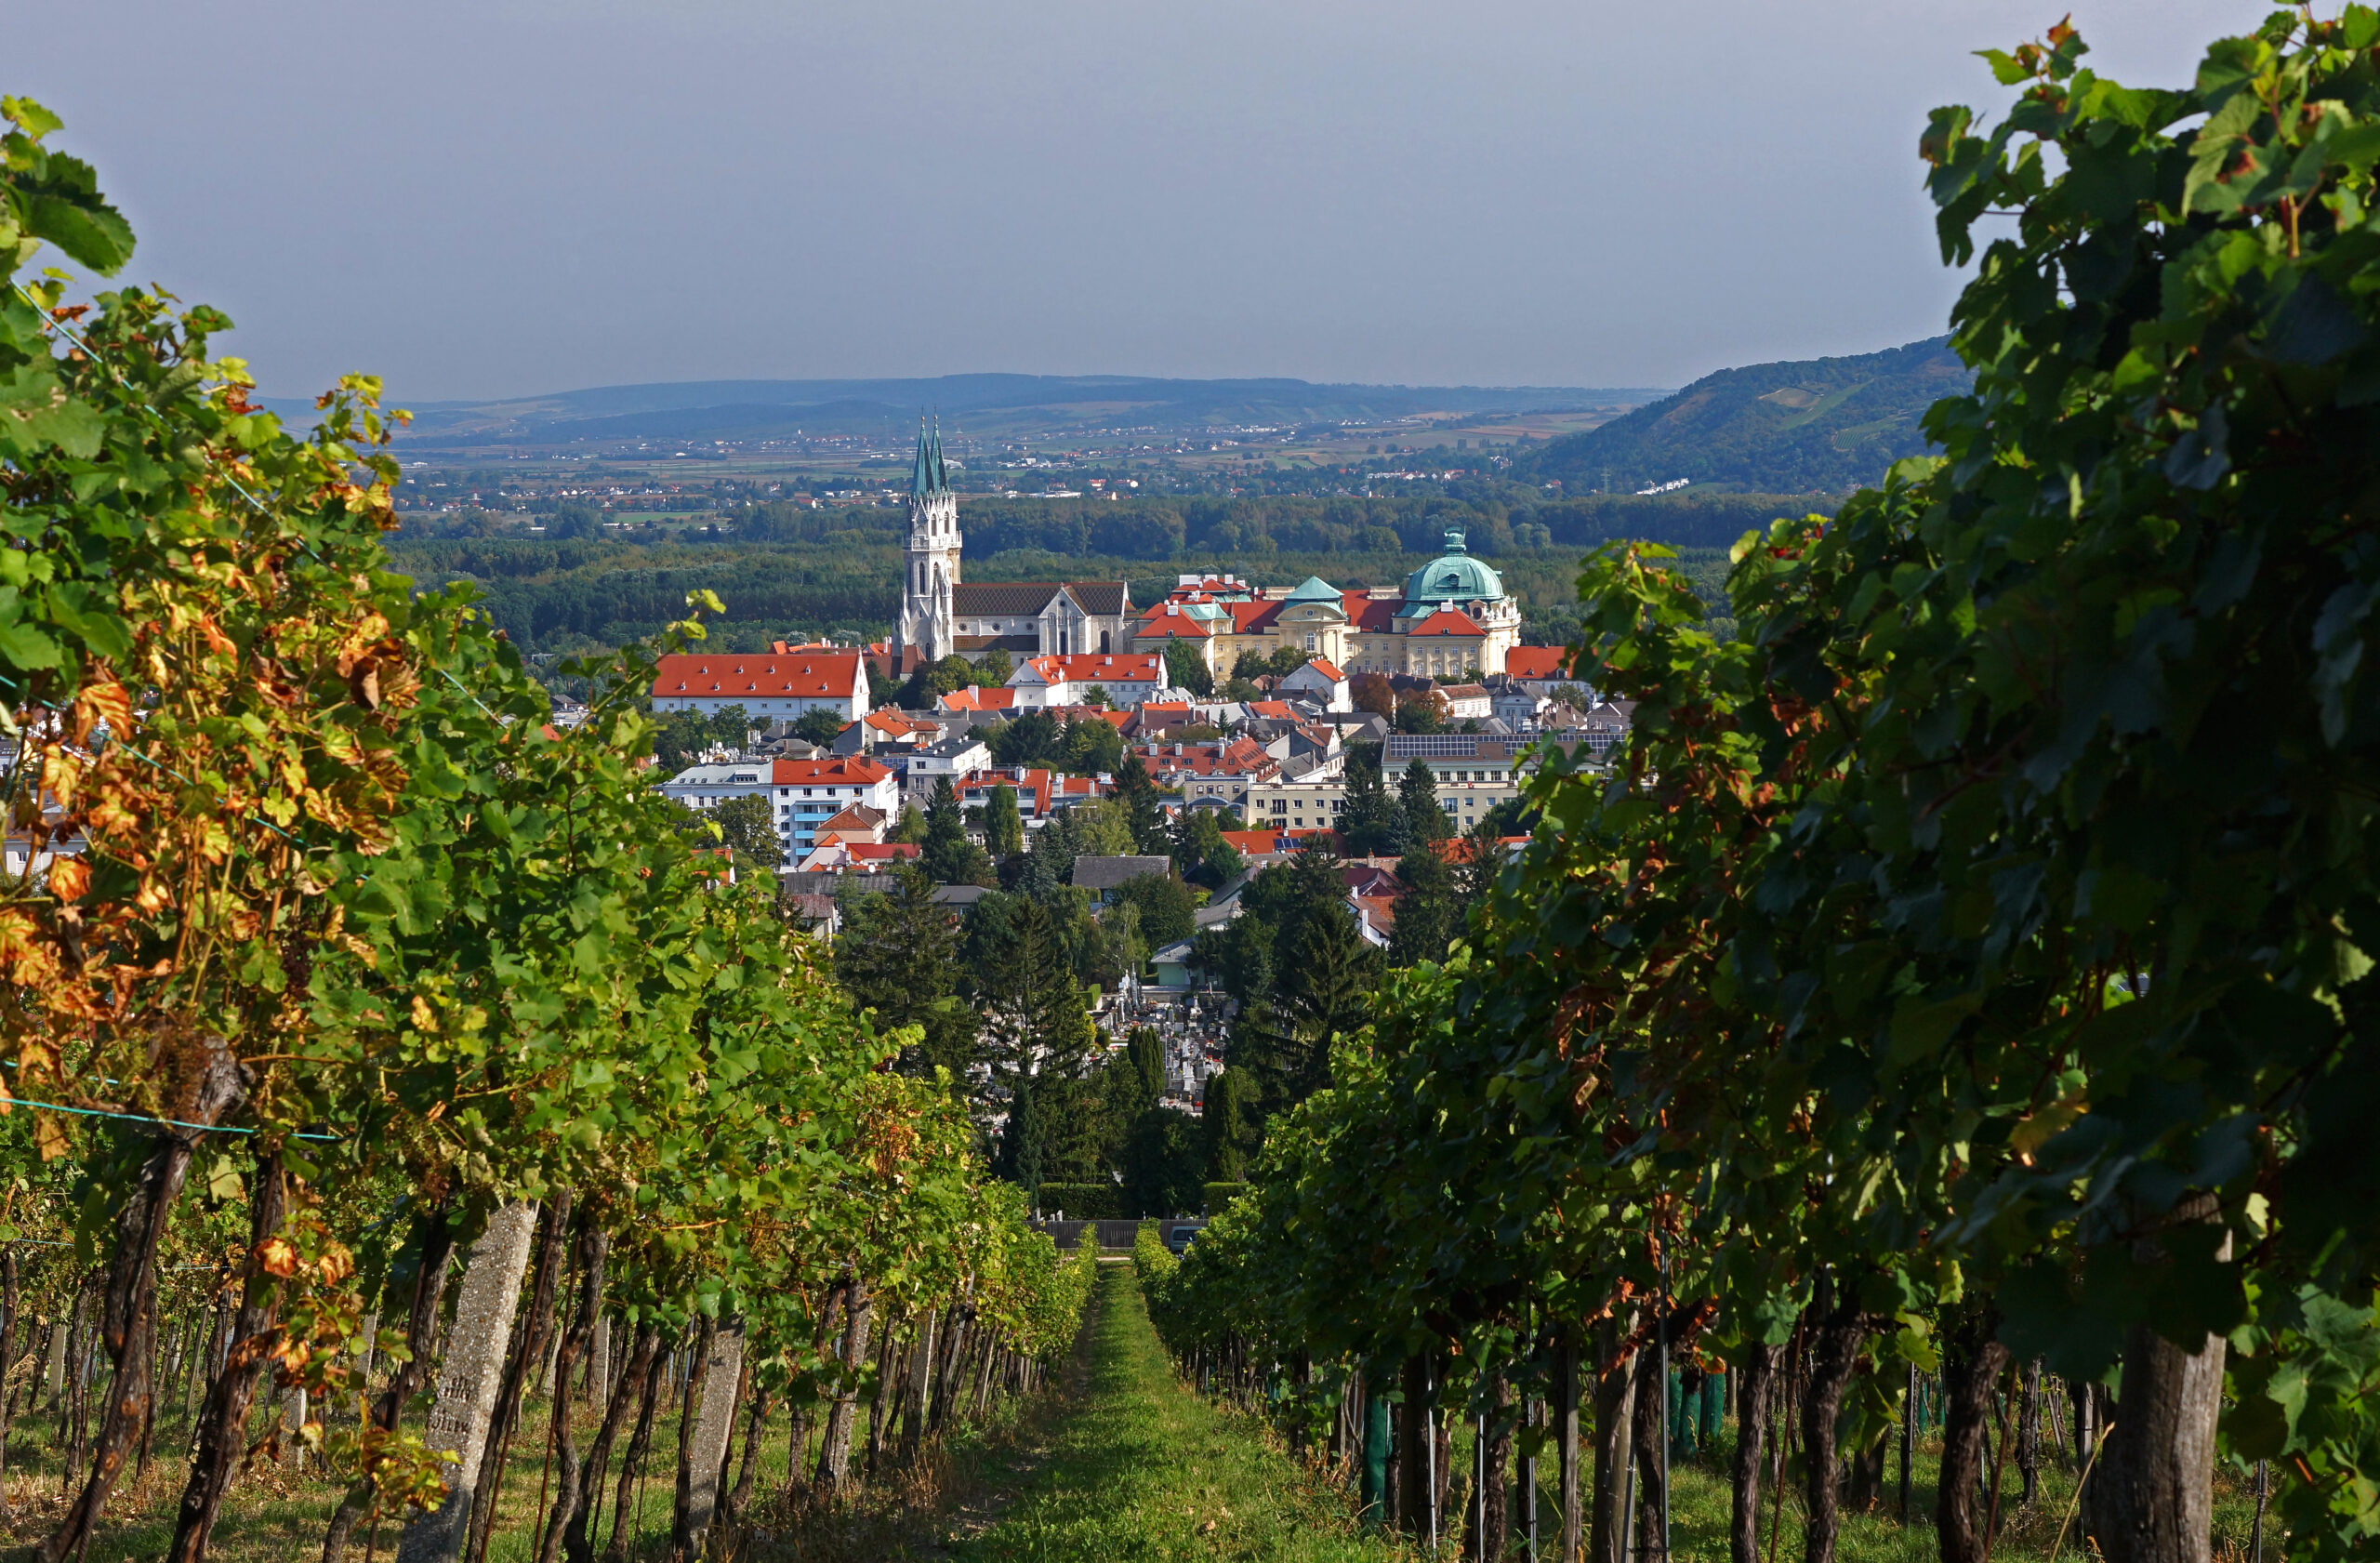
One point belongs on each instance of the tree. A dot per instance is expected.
(1097, 695)
(1003, 827)
(1030, 737)
(1422, 710)
(1100, 829)
(1200, 853)
(1165, 908)
(911, 831)
(1429, 912)
(1185, 668)
(748, 828)
(1372, 824)
(1373, 692)
(996, 668)
(1321, 989)
(1417, 799)
(1229, 1119)
(1137, 793)
(949, 857)
(1024, 1144)
(819, 726)
(1164, 1163)
(1093, 747)
(898, 956)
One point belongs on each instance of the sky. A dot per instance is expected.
(492, 198)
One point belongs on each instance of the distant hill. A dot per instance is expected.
(1823, 425)
(994, 405)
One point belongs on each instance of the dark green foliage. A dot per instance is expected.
(1200, 855)
(1030, 739)
(1429, 913)
(1093, 747)
(1143, 812)
(683, 735)
(1185, 668)
(1824, 424)
(1232, 1128)
(1219, 1195)
(1164, 1163)
(1095, 1200)
(950, 857)
(1166, 907)
(819, 726)
(1003, 827)
(1023, 1143)
(897, 955)
(1417, 799)
(748, 829)
(1372, 824)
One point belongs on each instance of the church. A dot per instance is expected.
(1451, 619)
(943, 614)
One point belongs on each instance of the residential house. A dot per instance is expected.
(843, 858)
(1467, 702)
(781, 683)
(1063, 680)
(1040, 793)
(1320, 681)
(948, 760)
(1214, 774)
(802, 793)
(1104, 875)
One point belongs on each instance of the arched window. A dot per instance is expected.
(1103, 647)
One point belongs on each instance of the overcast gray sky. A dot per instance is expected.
(497, 198)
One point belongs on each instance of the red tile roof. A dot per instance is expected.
(805, 673)
(1261, 841)
(1369, 615)
(1446, 621)
(1323, 667)
(1538, 662)
(973, 699)
(1096, 667)
(847, 771)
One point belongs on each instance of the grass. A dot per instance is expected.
(1142, 1469)
(1120, 1464)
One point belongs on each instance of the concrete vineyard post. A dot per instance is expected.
(714, 1420)
(474, 1370)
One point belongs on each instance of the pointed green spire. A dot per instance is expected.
(926, 475)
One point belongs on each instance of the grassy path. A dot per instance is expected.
(1140, 1469)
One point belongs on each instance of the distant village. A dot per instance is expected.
(1263, 719)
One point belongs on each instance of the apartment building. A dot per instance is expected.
(803, 794)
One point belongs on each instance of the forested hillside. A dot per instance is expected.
(1819, 425)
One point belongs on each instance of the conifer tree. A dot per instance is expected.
(1417, 799)
(1003, 828)
(1429, 913)
(1372, 823)
(898, 956)
(1143, 812)
(950, 857)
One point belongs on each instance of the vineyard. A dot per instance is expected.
(1916, 1100)
(1945, 1039)
(381, 1060)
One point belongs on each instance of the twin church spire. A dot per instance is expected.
(927, 474)
(931, 559)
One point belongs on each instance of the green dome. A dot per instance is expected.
(1315, 590)
(1454, 576)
